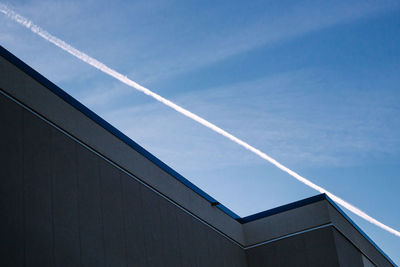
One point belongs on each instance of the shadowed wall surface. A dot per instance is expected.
(66, 206)
(73, 194)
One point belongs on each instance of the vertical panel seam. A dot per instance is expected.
(179, 252)
(51, 176)
(78, 203)
(102, 210)
(24, 185)
(123, 217)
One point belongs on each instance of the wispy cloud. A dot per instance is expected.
(180, 43)
(339, 130)
(113, 73)
(268, 27)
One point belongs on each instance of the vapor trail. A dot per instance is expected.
(98, 65)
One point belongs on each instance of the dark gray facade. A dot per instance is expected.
(66, 206)
(72, 193)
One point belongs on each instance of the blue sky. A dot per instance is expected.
(313, 84)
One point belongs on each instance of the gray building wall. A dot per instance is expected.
(324, 246)
(348, 254)
(72, 193)
(66, 206)
(354, 236)
(314, 248)
(33, 90)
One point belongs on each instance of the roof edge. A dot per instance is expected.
(107, 126)
(307, 201)
(336, 206)
(282, 208)
(114, 131)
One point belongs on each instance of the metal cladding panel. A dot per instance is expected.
(315, 248)
(357, 236)
(152, 221)
(134, 224)
(92, 245)
(186, 240)
(321, 248)
(236, 257)
(286, 222)
(39, 229)
(63, 168)
(81, 209)
(348, 254)
(215, 245)
(201, 244)
(113, 223)
(31, 88)
(11, 184)
(170, 242)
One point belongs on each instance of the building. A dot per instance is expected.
(77, 192)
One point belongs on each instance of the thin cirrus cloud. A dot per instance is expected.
(165, 47)
(113, 73)
(268, 28)
(270, 116)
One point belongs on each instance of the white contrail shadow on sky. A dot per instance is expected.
(98, 65)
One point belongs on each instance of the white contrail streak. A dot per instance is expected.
(98, 65)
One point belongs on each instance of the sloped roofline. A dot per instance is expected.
(114, 131)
